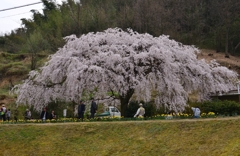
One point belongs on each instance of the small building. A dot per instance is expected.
(232, 95)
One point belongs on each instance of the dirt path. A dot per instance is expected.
(133, 121)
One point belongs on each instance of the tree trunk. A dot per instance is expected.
(33, 61)
(236, 47)
(124, 100)
(226, 42)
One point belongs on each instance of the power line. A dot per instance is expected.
(20, 6)
(15, 15)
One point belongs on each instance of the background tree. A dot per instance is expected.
(36, 43)
(125, 14)
(224, 18)
(207, 24)
(126, 63)
(14, 41)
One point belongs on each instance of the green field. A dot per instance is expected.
(182, 137)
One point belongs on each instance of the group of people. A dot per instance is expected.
(43, 116)
(82, 108)
(93, 109)
(5, 114)
(141, 111)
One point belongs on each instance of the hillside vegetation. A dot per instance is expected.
(13, 69)
(209, 24)
(211, 137)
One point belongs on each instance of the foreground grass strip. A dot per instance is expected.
(158, 137)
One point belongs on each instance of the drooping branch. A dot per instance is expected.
(115, 62)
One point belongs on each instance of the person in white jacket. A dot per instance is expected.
(140, 111)
(196, 112)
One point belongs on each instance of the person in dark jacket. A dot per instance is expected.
(93, 108)
(15, 115)
(44, 115)
(53, 115)
(81, 110)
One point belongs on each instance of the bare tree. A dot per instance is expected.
(226, 12)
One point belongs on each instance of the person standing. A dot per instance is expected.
(93, 108)
(81, 110)
(8, 115)
(15, 115)
(196, 112)
(140, 112)
(27, 114)
(44, 115)
(3, 112)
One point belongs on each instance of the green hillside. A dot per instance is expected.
(211, 137)
(13, 69)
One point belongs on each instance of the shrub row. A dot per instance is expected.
(226, 108)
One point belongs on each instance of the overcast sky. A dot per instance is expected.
(10, 19)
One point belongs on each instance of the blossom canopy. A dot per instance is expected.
(121, 65)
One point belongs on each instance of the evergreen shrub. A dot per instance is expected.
(226, 108)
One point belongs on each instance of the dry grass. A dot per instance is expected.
(177, 137)
(233, 62)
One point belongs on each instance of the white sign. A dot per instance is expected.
(65, 112)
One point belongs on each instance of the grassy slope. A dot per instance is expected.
(162, 137)
(232, 62)
(13, 69)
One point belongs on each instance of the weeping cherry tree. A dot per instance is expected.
(120, 65)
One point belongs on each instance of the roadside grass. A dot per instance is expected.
(184, 137)
(60, 119)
